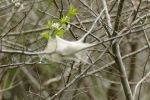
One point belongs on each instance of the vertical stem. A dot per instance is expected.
(121, 68)
(132, 65)
(117, 55)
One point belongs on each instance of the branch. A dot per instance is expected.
(118, 58)
(24, 52)
(82, 39)
(70, 83)
(107, 13)
(113, 62)
(139, 83)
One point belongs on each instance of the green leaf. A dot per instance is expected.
(72, 11)
(64, 19)
(45, 35)
(49, 23)
(59, 32)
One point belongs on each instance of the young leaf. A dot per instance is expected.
(72, 11)
(45, 35)
(59, 32)
(64, 19)
(50, 23)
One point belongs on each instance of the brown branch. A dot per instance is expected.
(117, 56)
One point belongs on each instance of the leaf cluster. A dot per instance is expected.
(60, 26)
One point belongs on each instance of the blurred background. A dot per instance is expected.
(22, 77)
